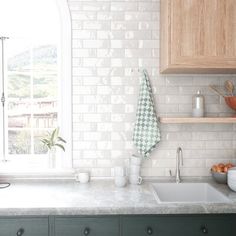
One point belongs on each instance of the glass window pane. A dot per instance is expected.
(18, 85)
(39, 147)
(19, 142)
(45, 71)
(19, 114)
(45, 85)
(45, 55)
(45, 113)
(31, 71)
(18, 55)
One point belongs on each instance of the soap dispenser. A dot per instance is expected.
(198, 105)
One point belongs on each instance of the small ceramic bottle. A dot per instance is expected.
(198, 105)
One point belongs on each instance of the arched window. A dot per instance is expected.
(36, 75)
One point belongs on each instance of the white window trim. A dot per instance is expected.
(65, 111)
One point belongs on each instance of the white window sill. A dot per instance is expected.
(37, 174)
(34, 168)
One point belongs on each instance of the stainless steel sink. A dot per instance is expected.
(188, 193)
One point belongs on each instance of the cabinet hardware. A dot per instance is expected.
(204, 230)
(149, 230)
(20, 232)
(86, 231)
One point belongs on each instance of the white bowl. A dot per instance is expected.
(232, 177)
(231, 182)
(232, 174)
(120, 181)
(232, 186)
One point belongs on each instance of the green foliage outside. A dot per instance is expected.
(40, 69)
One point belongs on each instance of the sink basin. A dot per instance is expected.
(188, 192)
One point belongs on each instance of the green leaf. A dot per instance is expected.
(53, 135)
(53, 139)
(61, 139)
(61, 146)
(57, 132)
(45, 142)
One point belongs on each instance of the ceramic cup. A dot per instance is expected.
(135, 179)
(135, 160)
(82, 177)
(120, 171)
(120, 181)
(134, 170)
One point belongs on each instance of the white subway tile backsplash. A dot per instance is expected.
(124, 6)
(110, 16)
(104, 163)
(123, 25)
(111, 41)
(84, 163)
(137, 16)
(163, 162)
(79, 15)
(96, 25)
(83, 53)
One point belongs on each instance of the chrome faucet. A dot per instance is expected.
(179, 155)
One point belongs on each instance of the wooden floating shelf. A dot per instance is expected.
(195, 120)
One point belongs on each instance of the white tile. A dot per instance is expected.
(111, 40)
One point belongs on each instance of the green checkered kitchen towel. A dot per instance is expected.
(146, 131)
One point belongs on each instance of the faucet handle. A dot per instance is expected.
(170, 172)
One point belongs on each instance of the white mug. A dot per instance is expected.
(120, 171)
(82, 177)
(135, 160)
(135, 179)
(120, 181)
(134, 170)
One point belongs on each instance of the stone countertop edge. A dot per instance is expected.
(100, 197)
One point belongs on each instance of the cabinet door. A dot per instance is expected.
(216, 225)
(158, 226)
(198, 36)
(87, 226)
(24, 227)
(178, 226)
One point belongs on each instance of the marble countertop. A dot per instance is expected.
(99, 197)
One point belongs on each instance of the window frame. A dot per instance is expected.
(65, 111)
(65, 95)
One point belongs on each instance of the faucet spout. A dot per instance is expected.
(179, 157)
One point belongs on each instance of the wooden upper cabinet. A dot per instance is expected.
(198, 36)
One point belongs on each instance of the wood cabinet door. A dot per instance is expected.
(198, 36)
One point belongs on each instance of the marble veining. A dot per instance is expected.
(99, 197)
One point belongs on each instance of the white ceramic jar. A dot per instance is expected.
(232, 178)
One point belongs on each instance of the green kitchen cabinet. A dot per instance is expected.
(179, 225)
(121, 225)
(87, 226)
(21, 226)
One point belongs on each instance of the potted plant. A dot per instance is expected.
(51, 141)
